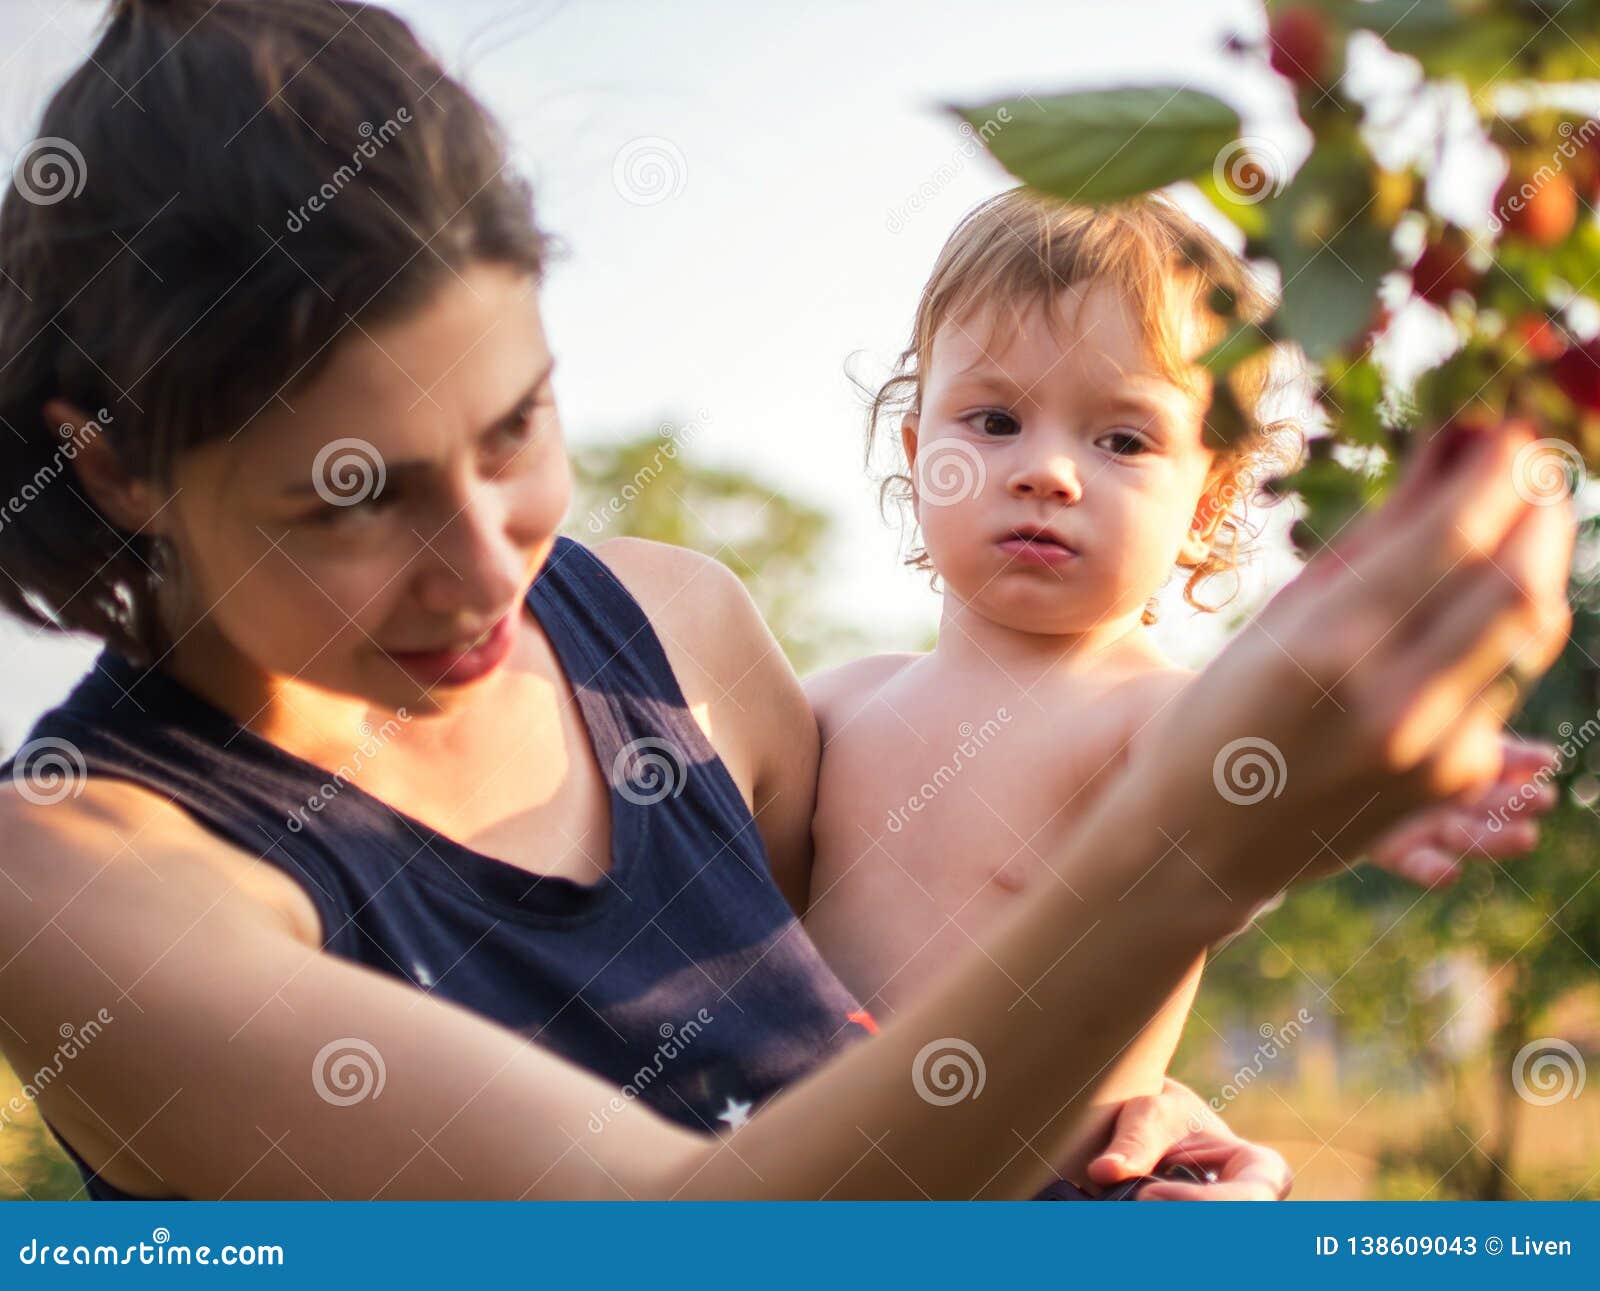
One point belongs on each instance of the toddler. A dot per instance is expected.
(1059, 465)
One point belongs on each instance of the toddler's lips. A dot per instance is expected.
(1036, 549)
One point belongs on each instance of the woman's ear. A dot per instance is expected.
(127, 502)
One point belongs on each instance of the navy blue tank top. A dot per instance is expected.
(682, 976)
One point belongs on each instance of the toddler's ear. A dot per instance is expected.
(1208, 515)
(908, 441)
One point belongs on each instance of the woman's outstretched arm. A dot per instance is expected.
(1375, 680)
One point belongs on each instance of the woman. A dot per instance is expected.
(584, 780)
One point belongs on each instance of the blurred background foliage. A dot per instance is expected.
(1400, 1084)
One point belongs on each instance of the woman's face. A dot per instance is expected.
(362, 532)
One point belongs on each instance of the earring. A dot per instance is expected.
(1152, 612)
(162, 559)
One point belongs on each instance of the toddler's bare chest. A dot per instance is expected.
(958, 793)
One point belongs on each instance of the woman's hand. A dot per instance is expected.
(1175, 1127)
(1376, 684)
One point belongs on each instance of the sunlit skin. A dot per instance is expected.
(949, 778)
(285, 626)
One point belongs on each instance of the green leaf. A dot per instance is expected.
(1241, 342)
(1330, 290)
(1355, 395)
(1479, 49)
(1332, 255)
(1105, 145)
(1248, 217)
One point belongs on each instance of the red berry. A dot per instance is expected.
(1540, 337)
(1442, 269)
(1301, 46)
(1538, 211)
(1577, 372)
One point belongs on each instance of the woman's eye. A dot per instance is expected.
(992, 422)
(1121, 444)
(361, 507)
(521, 428)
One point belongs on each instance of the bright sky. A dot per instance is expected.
(796, 141)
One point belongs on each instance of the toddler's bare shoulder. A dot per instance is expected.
(1139, 703)
(837, 694)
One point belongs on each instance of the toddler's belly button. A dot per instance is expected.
(1010, 876)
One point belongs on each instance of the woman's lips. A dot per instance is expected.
(1036, 551)
(460, 666)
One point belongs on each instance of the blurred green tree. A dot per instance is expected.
(646, 486)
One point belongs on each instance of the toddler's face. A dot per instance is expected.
(1063, 424)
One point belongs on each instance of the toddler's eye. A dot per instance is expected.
(993, 422)
(1121, 444)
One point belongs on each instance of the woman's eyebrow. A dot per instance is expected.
(510, 413)
(399, 470)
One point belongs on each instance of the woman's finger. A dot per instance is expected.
(1459, 502)
(1482, 620)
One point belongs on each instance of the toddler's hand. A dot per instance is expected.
(1429, 846)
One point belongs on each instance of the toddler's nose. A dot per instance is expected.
(1052, 479)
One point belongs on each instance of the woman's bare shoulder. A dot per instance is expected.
(732, 671)
(681, 589)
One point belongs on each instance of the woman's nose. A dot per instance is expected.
(473, 564)
(1052, 478)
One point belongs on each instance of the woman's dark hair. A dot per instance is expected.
(212, 198)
